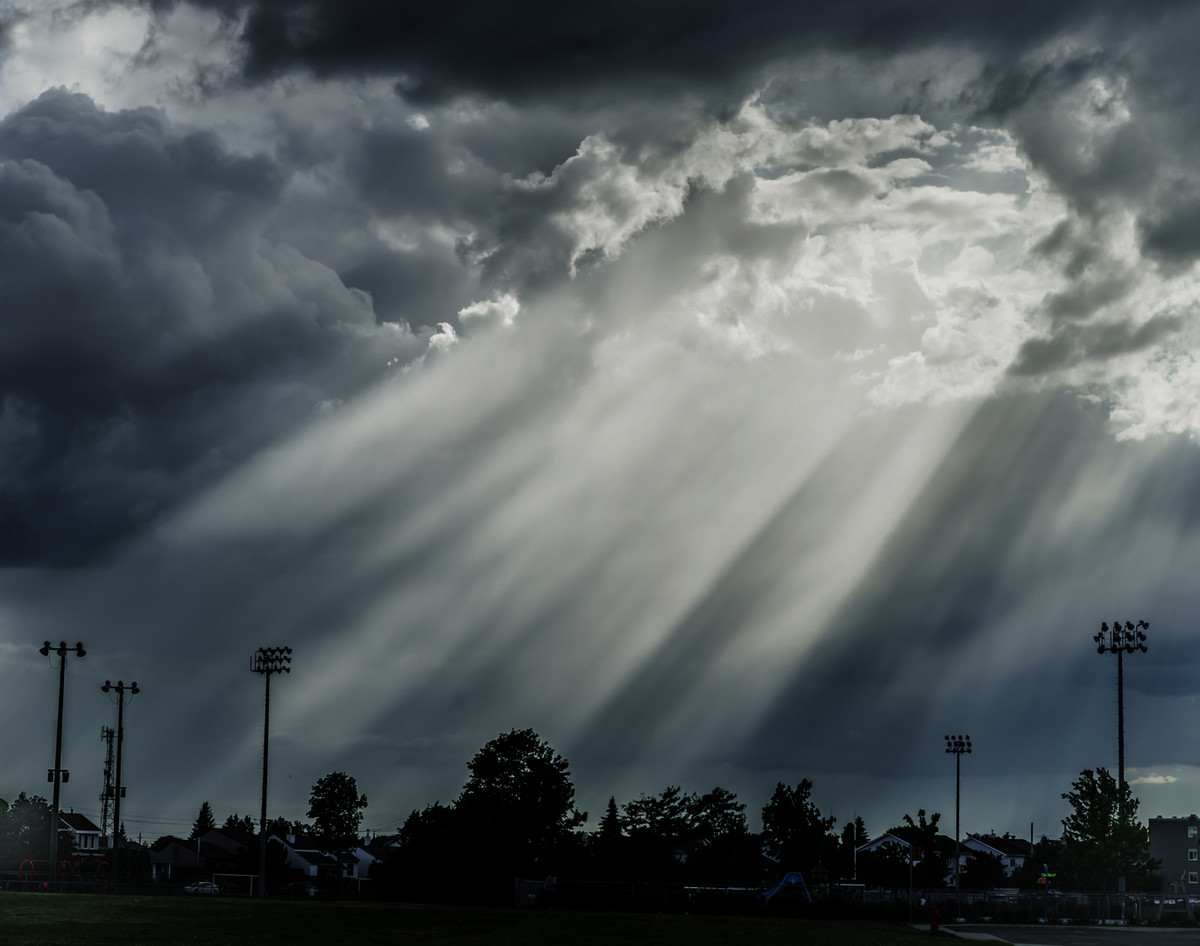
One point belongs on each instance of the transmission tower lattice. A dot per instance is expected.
(107, 734)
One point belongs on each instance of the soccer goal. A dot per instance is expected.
(236, 885)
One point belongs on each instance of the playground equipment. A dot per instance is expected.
(789, 880)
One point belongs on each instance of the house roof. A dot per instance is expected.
(306, 848)
(1005, 845)
(77, 822)
(880, 841)
(176, 854)
(229, 840)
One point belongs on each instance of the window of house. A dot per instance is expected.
(1192, 878)
(1192, 854)
(1193, 830)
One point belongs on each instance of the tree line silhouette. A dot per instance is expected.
(516, 817)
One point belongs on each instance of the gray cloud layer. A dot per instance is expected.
(155, 334)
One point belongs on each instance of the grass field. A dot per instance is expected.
(30, 919)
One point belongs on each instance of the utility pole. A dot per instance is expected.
(957, 745)
(266, 662)
(57, 775)
(120, 689)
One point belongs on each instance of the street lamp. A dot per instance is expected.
(120, 689)
(266, 662)
(1121, 639)
(56, 774)
(957, 745)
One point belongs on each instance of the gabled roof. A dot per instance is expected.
(228, 840)
(77, 822)
(882, 840)
(177, 854)
(1004, 845)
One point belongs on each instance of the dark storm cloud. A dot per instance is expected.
(152, 335)
(1073, 344)
(1173, 236)
(537, 48)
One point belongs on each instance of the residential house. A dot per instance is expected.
(1012, 851)
(219, 851)
(228, 851)
(306, 856)
(83, 831)
(1176, 842)
(882, 841)
(176, 859)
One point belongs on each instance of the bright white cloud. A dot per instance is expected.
(503, 308)
(1154, 780)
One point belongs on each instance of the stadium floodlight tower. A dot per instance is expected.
(267, 661)
(958, 745)
(1121, 639)
(57, 775)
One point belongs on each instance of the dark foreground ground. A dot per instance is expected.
(33, 919)
(1082, 935)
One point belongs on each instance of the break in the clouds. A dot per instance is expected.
(732, 393)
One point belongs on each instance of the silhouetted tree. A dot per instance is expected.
(281, 827)
(854, 834)
(1102, 838)
(610, 825)
(24, 832)
(1046, 858)
(666, 816)
(519, 803)
(983, 872)
(241, 823)
(430, 861)
(794, 832)
(608, 848)
(717, 814)
(336, 809)
(676, 835)
(886, 866)
(931, 851)
(168, 839)
(204, 822)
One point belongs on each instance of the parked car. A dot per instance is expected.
(202, 886)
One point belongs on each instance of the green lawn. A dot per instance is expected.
(31, 919)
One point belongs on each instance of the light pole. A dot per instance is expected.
(1121, 639)
(56, 774)
(957, 745)
(267, 661)
(120, 689)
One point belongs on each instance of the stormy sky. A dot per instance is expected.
(732, 393)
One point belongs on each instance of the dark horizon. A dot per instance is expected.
(731, 396)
